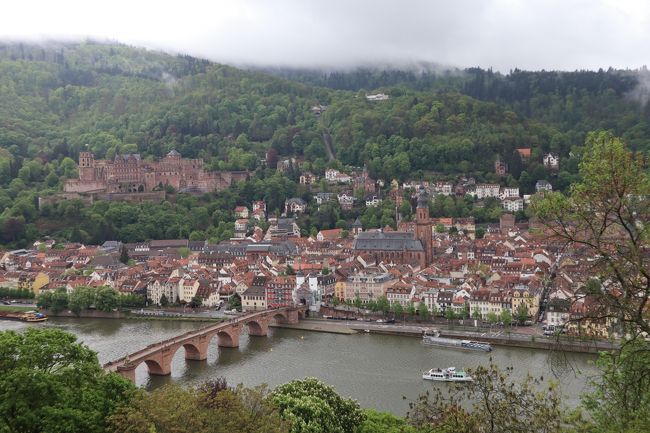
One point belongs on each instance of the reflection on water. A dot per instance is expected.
(377, 370)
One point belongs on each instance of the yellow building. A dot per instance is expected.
(523, 295)
(33, 282)
(339, 289)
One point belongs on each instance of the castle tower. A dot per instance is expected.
(86, 167)
(423, 226)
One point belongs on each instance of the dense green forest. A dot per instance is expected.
(61, 98)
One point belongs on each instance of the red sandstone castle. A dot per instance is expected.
(131, 174)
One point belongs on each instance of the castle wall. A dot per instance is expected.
(81, 186)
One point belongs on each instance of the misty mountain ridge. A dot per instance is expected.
(420, 75)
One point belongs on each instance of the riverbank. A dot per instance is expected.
(315, 327)
(15, 308)
(565, 344)
(128, 315)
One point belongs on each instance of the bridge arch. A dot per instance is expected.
(257, 327)
(228, 338)
(193, 351)
(280, 317)
(155, 368)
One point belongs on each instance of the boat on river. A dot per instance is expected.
(28, 316)
(33, 316)
(432, 337)
(449, 374)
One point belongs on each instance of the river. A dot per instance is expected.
(377, 370)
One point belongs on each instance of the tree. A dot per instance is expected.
(521, 314)
(357, 302)
(207, 409)
(476, 314)
(410, 309)
(465, 312)
(184, 252)
(423, 311)
(51, 383)
(449, 314)
(235, 302)
(196, 302)
(398, 309)
(506, 317)
(607, 215)
(164, 302)
(620, 401)
(383, 422)
(491, 404)
(81, 299)
(124, 255)
(383, 305)
(311, 406)
(492, 318)
(106, 299)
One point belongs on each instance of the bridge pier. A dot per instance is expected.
(292, 317)
(127, 372)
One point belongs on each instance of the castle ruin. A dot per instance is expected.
(130, 174)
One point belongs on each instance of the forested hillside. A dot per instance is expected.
(61, 98)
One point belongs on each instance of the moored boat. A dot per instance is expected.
(449, 374)
(33, 316)
(432, 337)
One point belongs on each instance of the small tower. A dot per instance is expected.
(86, 167)
(357, 227)
(423, 229)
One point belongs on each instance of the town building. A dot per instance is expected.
(543, 185)
(307, 178)
(334, 176)
(500, 167)
(513, 204)
(294, 205)
(373, 200)
(367, 286)
(551, 161)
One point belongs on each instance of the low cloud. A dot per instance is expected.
(503, 34)
(641, 93)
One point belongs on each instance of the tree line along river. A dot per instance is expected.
(377, 370)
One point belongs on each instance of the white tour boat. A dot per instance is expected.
(449, 374)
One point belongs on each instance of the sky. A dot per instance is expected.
(335, 34)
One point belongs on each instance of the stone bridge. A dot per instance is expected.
(158, 356)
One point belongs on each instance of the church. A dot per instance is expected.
(401, 247)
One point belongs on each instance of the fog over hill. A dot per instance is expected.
(498, 34)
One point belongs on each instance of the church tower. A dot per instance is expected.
(423, 226)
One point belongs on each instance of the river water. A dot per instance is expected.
(377, 370)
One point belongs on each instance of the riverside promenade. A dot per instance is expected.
(497, 337)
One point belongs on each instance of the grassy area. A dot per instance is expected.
(15, 308)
